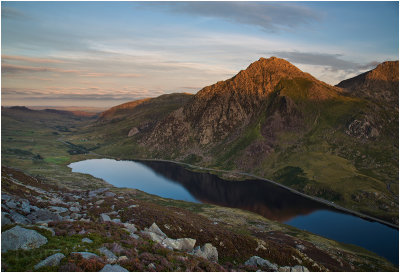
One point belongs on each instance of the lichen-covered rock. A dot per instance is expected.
(21, 238)
(52, 260)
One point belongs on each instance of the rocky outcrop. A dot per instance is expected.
(52, 260)
(21, 238)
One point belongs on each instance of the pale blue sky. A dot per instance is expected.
(106, 53)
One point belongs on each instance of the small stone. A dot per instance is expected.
(133, 206)
(109, 194)
(113, 268)
(122, 258)
(74, 209)
(284, 269)
(52, 260)
(87, 240)
(105, 218)
(151, 266)
(111, 258)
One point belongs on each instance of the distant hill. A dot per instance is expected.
(339, 143)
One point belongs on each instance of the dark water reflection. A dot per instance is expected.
(266, 199)
(271, 201)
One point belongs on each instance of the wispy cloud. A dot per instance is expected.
(30, 59)
(11, 13)
(11, 68)
(268, 16)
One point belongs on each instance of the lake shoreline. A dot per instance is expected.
(320, 200)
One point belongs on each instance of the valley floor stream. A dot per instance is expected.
(274, 202)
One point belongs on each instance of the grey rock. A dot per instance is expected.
(257, 261)
(151, 266)
(4, 219)
(109, 194)
(153, 236)
(99, 202)
(208, 251)
(284, 269)
(6, 197)
(116, 220)
(74, 209)
(133, 131)
(113, 268)
(134, 236)
(130, 227)
(300, 247)
(43, 215)
(25, 206)
(21, 238)
(52, 260)
(86, 255)
(53, 233)
(111, 258)
(58, 209)
(105, 218)
(184, 244)
(94, 193)
(19, 218)
(11, 204)
(122, 258)
(76, 216)
(154, 228)
(87, 240)
(133, 206)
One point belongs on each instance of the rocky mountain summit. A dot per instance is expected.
(379, 84)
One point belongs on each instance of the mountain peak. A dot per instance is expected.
(380, 83)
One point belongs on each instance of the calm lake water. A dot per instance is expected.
(273, 202)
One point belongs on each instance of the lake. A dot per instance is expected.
(271, 201)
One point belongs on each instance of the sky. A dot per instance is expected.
(107, 53)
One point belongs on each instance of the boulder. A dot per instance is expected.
(111, 258)
(74, 209)
(43, 215)
(155, 229)
(208, 251)
(21, 238)
(113, 268)
(131, 228)
(184, 244)
(257, 261)
(52, 260)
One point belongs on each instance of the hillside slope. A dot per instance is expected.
(275, 121)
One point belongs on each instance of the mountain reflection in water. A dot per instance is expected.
(261, 197)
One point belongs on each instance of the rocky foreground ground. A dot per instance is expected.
(46, 228)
